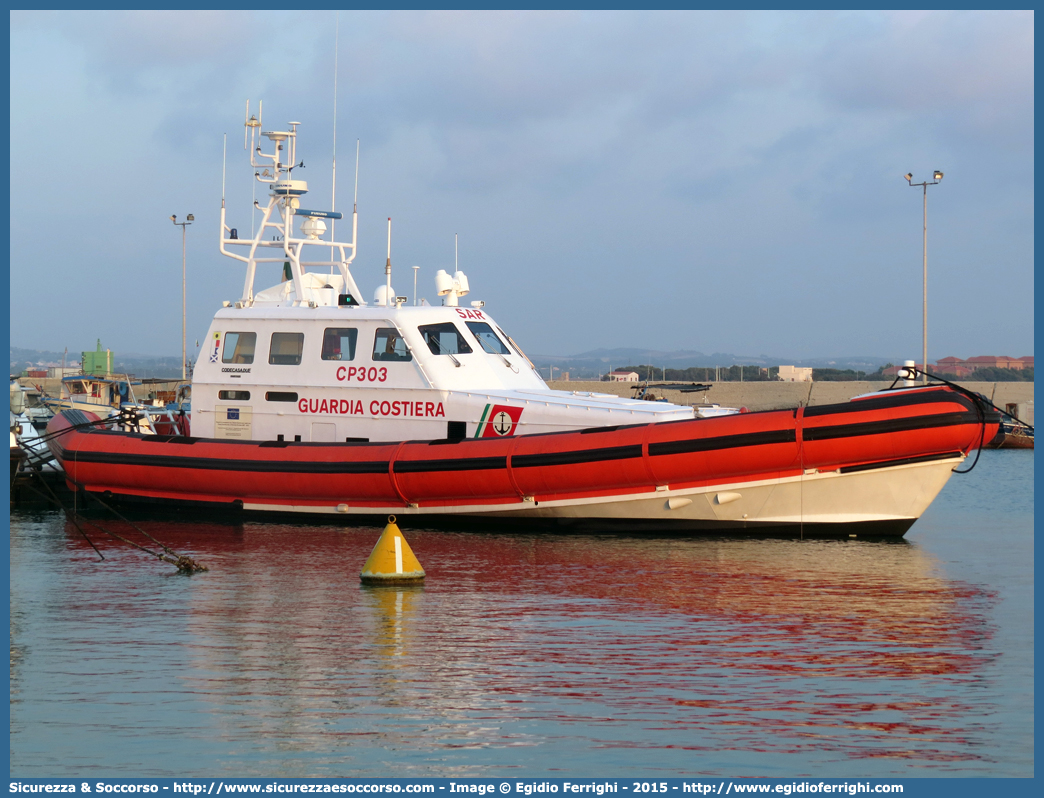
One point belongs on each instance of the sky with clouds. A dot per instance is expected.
(725, 182)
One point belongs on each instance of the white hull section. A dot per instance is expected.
(895, 494)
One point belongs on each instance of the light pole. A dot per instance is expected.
(936, 177)
(188, 220)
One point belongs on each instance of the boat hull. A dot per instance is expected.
(871, 465)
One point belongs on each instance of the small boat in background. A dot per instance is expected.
(1014, 432)
(163, 412)
(1016, 436)
(94, 393)
(646, 391)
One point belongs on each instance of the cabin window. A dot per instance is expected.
(389, 345)
(280, 396)
(239, 347)
(444, 339)
(286, 349)
(234, 396)
(339, 343)
(487, 338)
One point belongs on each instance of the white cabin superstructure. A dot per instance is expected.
(310, 360)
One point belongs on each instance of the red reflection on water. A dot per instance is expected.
(739, 644)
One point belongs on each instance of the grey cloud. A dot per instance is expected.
(177, 51)
(970, 68)
(715, 155)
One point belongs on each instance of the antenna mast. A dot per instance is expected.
(224, 150)
(333, 189)
(253, 183)
(387, 265)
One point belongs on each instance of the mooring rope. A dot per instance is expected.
(181, 561)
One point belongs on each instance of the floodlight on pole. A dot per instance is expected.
(936, 177)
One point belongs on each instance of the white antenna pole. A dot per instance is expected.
(246, 125)
(253, 204)
(253, 179)
(387, 266)
(355, 208)
(224, 150)
(333, 188)
(355, 202)
(415, 268)
(456, 253)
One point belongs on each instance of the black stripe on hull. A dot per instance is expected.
(214, 464)
(928, 458)
(723, 442)
(890, 402)
(889, 426)
(574, 458)
(461, 464)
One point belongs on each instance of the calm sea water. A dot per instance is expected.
(533, 654)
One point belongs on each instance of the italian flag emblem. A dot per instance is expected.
(498, 421)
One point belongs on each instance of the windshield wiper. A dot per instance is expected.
(438, 343)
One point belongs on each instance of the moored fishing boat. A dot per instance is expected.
(309, 399)
(106, 395)
(1013, 435)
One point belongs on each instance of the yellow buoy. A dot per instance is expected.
(392, 561)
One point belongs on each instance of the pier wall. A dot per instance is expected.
(776, 395)
(52, 386)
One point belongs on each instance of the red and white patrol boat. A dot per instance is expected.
(309, 399)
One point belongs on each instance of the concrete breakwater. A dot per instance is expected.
(777, 395)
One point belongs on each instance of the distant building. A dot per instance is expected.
(57, 372)
(564, 376)
(795, 374)
(623, 376)
(952, 365)
(992, 362)
(98, 361)
(963, 368)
